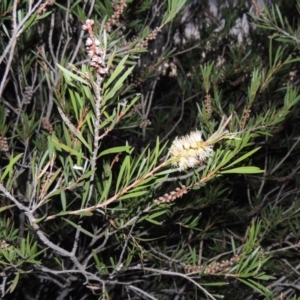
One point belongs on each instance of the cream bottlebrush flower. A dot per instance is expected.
(189, 150)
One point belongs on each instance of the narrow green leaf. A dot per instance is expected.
(98, 264)
(6, 256)
(85, 193)
(153, 221)
(279, 16)
(6, 207)
(43, 16)
(107, 187)
(40, 219)
(70, 75)
(142, 164)
(79, 228)
(132, 195)
(150, 239)
(214, 283)
(124, 169)
(76, 132)
(63, 199)
(194, 256)
(109, 119)
(15, 282)
(84, 213)
(233, 246)
(256, 286)
(116, 72)
(243, 170)
(153, 216)
(31, 21)
(117, 85)
(128, 149)
(51, 194)
(87, 175)
(74, 103)
(4, 28)
(112, 262)
(8, 168)
(243, 157)
(263, 276)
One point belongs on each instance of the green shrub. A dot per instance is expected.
(130, 169)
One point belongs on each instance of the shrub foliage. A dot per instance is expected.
(137, 165)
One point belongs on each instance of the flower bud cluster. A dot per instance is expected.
(150, 37)
(245, 118)
(96, 55)
(118, 11)
(3, 144)
(190, 151)
(172, 196)
(47, 125)
(145, 123)
(28, 93)
(4, 245)
(213, 269)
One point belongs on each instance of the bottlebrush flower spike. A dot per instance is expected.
(190, 150)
